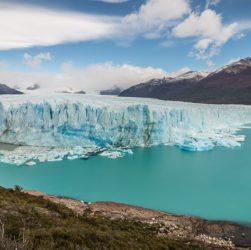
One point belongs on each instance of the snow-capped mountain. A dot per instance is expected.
(228, 85)
(35, 86)
(235, 67)
(195, 75)
(115, 90)
(167, 87)
(71, 91)
(5, 90)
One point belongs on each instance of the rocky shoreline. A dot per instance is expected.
(214, 234)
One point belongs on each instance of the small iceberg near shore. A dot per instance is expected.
(116, 153)
(195, 145)
(206, 144)
(30, 156)
(30, 163)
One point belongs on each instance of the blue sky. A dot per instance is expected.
(135, 40)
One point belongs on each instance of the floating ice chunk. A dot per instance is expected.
(128, 151)
(112, 154)
(72, 157)
(30, 163)
(228, 142)
(190, 144)
(239, 138)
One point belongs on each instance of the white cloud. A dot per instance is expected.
(94, 77)
(26, 26)
(36, 60)
(209, 30)
(244, 25)
(161, 10)
(154, 17)
(210, 3)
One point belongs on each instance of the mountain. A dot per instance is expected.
(191, 75)
(71, 91)
(5, 90)
(228, 85)
(168, 88)
(112, 91)
(35, 86)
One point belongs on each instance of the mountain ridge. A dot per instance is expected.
(218, 87)
(5, 90)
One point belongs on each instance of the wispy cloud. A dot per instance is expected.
(209, 30)
(210, 3)
(28, 26)
(36, 60)
(163, 20)
(244, 25)
(91, 78)
(154, 18)
(34, 26)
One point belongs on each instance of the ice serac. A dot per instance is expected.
(70, 121)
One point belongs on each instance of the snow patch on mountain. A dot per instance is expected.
(196, 75)
(235, 67)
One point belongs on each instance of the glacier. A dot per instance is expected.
(58, 126)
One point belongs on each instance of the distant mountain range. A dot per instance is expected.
(228, 85)
(112, 91)
(4, 90)
(35, 86)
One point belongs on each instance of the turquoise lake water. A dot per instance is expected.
(213, 185)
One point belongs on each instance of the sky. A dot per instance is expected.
(96, 44)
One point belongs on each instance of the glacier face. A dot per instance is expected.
(102, 122)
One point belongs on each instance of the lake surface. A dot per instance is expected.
(213, 185)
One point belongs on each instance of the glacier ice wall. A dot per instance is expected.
(68, 121)
(73, 120)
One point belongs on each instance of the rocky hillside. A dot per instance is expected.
(5, 90)
(33, 220)
(228, 85)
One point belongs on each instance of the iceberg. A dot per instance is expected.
(58, 126)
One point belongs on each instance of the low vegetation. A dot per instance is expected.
(29, 222)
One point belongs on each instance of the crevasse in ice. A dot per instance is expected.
(98, 123)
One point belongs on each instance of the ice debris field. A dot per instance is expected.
(67, 126)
